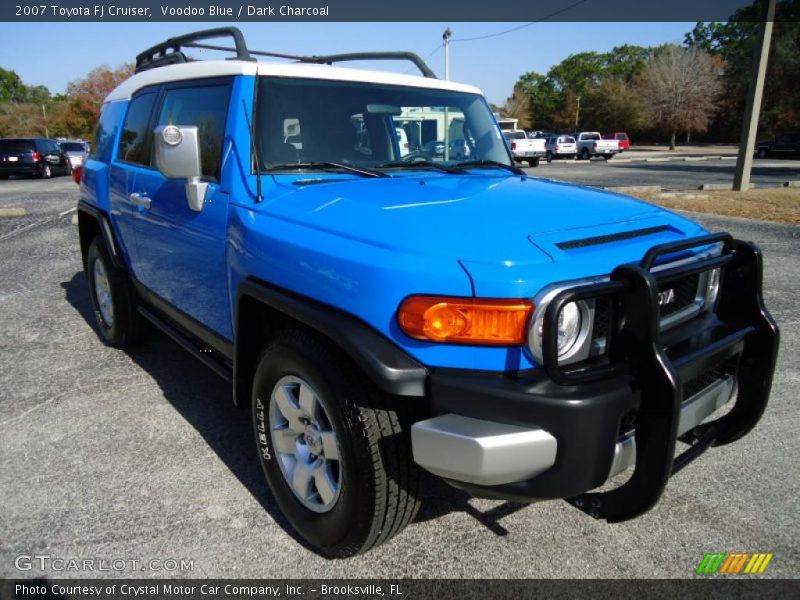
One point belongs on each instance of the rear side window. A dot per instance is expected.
(207, 108)
(15, 146)
(134, 143)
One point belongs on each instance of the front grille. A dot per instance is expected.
(684, 293)
(601, 319)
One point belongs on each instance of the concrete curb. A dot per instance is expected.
(630, 189)
(12, 211)
(720, 187)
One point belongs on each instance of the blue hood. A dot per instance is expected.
(487, 222)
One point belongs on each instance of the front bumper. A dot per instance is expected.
(553, 433)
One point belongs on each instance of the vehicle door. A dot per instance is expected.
(132, 158)
(181, 251)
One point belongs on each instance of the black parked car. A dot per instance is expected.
(37, 157)
(787, 144)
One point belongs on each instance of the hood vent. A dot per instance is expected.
(614, 237)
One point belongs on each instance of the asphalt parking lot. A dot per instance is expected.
(107, 454)
(671, 175)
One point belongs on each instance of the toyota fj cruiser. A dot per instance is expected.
(382, 311)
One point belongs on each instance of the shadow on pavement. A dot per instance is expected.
(204, 400)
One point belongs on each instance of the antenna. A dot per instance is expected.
(253, 146)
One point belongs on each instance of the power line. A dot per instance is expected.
(426, 57)
(518, 27)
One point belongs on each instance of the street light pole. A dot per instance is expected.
(44, 115)
(577, 112)
(747, 142)
(446, 37)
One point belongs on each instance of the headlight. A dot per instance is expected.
(712, 289)
(573, 330)
(569, 328)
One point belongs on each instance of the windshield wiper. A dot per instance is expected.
(491, 163)
(421, 164)
(364, 172)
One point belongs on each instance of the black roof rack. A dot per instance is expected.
(169, 52)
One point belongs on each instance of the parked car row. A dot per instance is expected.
(40, 157)
(581, 145)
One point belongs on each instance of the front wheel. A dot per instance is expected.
(336, 453)
(585, 154)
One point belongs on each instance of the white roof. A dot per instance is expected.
(221, 68)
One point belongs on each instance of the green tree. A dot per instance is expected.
(11, 87)
(614, 105)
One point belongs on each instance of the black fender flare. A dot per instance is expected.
(389, 367)
(104, 227)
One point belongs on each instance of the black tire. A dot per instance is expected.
(585, 154)
(608, 157)
(46, 172)
(549, 157)
(763, 153)
(126, 326)
(68, 168)
(534, 162)
(378, 489)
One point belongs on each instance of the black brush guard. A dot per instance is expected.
(634, 349)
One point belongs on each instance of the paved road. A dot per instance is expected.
(141, 455)
(673, 175)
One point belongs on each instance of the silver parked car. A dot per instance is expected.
(76, 151)
(561, 146)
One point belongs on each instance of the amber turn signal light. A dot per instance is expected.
(465, 320)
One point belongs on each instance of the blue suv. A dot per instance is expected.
(385, 308)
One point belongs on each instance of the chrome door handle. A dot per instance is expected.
(140, 200)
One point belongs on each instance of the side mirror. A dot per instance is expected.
(178, 157)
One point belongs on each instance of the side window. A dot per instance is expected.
(134, 143)
(207, 108)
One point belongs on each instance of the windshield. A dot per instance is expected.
(16, 146)
(73, 146)
(515, 135)
(368, 125)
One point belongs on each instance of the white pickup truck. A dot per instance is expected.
(525, 149)
(591, 143)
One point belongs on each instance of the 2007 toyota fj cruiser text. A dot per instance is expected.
(383, 308)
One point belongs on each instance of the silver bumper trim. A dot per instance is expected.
(481, 452)
(693, 412)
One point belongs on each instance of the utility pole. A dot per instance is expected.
(44, 114)
(577, 112)
(446, 37)
(747, 142)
